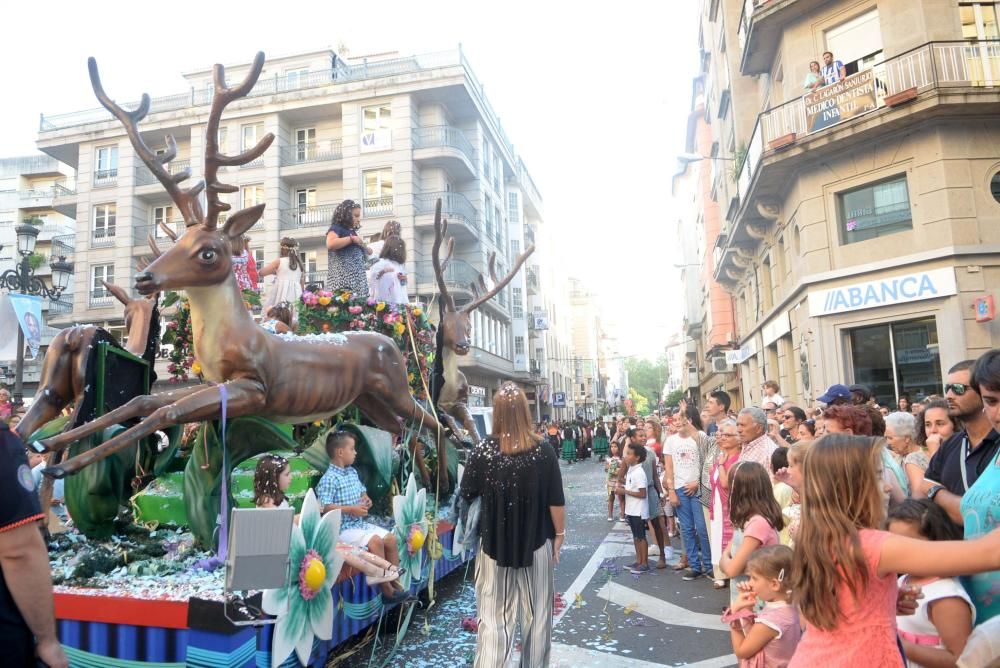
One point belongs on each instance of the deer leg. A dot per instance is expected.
(385, 418)
(246, 397)
(460, 411)
(408, 407)
(137, 407)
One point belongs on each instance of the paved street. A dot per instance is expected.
(611, 619)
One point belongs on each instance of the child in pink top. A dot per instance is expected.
(768, 638)
(844, 571)
(756, 518)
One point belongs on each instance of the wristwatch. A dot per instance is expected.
(932, 492)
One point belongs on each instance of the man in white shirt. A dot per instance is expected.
(682, 476)
(833, 70)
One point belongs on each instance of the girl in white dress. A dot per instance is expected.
(287, 269)
(387, 277)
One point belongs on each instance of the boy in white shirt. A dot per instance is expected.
(636, 506)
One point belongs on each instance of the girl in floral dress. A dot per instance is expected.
(613, 466)
(844, 573)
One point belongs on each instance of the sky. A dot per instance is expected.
(594, 96)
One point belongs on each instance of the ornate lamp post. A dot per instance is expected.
(22, 279)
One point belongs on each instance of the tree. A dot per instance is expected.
(639, 402)
(647, 377)
(674, 398)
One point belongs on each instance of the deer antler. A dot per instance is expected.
(186, 200)
(213, 158)
(498, 285)
(440, 230)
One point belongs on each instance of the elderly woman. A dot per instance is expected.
(720, 530)
(522, 525)
(901, 434)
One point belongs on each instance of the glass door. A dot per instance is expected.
(898, 358)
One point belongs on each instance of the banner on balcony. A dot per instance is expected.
(24, 311)
(849, 98)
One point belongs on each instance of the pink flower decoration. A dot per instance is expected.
(307, 593)
(354, 310)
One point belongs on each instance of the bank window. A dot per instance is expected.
(979, 20)
(874, 211)
(896, 359)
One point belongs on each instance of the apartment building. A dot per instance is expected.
(708, 331)
(588, 390)
(393, 133)
(861, 215)
(37, 190)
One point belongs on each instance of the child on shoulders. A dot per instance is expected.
(341, 488)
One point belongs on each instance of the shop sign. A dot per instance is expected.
(848, 98)
(776, 328)
(559, 399)
(872, 294)
(477, 391)
(986, 309)
(740, 356)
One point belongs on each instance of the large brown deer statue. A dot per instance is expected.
(284, 379)
(455, 327)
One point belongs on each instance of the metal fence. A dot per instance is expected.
(300, 153)
(144, 177)
(454, 206)
(444, 135)
(307, 216)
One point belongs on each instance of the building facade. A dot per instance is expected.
(392, 133)
(860, 221)
(37, 190)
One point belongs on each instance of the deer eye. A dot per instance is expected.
(207, 256)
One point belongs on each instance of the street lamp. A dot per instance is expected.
(686, 158)
(22, 279)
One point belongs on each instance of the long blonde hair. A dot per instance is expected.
(841, 494)
(512, 425)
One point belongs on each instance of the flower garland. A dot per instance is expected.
(323, 311)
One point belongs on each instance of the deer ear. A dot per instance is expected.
(117, 292)
(241, 221)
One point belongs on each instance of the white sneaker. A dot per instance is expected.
(611, 519)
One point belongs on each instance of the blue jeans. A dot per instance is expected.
(692, 520)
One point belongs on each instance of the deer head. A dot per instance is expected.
(201, 257)
(456, 324)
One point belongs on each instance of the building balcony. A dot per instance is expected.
(144, 177)
(954, 79)
(142, 228)
(312, 217)
(760, 27)
(56, 197)
(102, 238)
(458, 275)
(532, 198)
(446, 147)
(101, 298)
(61, 306)
(482, 360)
(531, 278)
(377, 207)
(462, 217)
(305, 162)
(105, 178)
(529, 235)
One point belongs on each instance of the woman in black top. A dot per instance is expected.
(346, 252)
(522, 525)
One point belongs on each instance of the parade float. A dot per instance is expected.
(150, 480)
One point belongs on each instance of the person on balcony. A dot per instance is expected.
(833, 70)
(347, 252)
(287, 269)
(815, 77)
(387, 277)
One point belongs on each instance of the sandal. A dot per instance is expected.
(720, 584)
(681, 565)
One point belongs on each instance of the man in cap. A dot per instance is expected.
(836, 395)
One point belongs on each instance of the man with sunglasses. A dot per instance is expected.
(962, 458)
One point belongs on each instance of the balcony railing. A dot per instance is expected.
(298, 154)
(55, 191)
(458, 273)
(259, 162)
(374, 207)
(144, 177)
(315, 277)
(143, 227)
(936, 65)
(307, 216)
(60, 306)
(443, 135)
(63, 244)
(453, 206)
(529, 235)
(100, 238)
(101, 298)
(105, 177)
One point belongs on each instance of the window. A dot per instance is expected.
(517, 302)
(251, 134)
(487, 162)
(513, 207)
(308, 260)
(252, 195)
(375, 127)
(223, 139)
(105, 218)
(162, 215)
(875, 211)
(305, 144)
(305, 207)
(897, 358)
(995, 187)
(106, 165)
(99, 273)
(857, 43)
(979, 20)
(498, 216)
(378, 192)
(518, 345)
(515, 247)
(296, 78)
(488, 215)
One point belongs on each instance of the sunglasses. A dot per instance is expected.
(787, 417)
(957, 388)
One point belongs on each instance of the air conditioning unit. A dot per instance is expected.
(720, 365)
